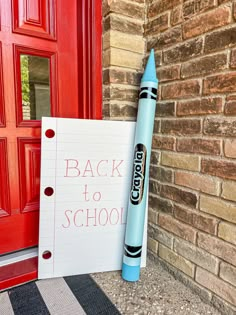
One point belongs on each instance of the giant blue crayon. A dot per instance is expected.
(139, 184)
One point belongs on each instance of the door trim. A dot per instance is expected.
(89, 20)
(18, 273)
(90, 76)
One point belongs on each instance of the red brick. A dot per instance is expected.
(164, 206)
(198, 182)
(106, 110)
(230, 108)
(184, 51)
(231, 97)
(122, 110)
(220, 127)
(161, 174)
(169, 37)
(183, 214)
(186, 108)
(202, 146)
(216, 285)
(155, 157)
(178, 195)
(234, 10)
(188, 9)
(220, 168)
(206, 22)
(154, 187)
(160, 205)
(165, 109)
(157, 124)
(158, 58)
(178, 228)
(123, 94)
(233, 58)
(184, 89)
(204, 66)
(160, 24)
(220, 40)
(196, 219)
(193, 7)
(221, 83)
(230, 148)
(121, 77)
(164, 143)
(139, 1)
(205, 106)
(176, 15)
(168, 73)
(222, 1)
(106, 92)
(217, 247)
(181, 127)
(160, 6)
(205, 223)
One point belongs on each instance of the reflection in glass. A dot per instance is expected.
(35, 87)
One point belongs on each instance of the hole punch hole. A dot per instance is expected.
(49, 133)
(48, 191)
(47, 254)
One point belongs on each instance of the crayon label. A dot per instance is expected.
(148, 93)
(133, 251)
(137, 187)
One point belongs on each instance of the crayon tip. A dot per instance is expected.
(150, 70)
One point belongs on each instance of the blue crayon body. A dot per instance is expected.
(140, 176)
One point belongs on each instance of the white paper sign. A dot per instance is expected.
(86, 168)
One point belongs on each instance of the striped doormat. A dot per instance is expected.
(75, 295)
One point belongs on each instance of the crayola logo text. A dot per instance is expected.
(137, 187)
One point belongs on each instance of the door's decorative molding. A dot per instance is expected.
(90, 75)
(4, 181)
(34, 18)
(29, 168)
(2, 104)
(18, 50)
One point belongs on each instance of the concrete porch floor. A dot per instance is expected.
(156, 293)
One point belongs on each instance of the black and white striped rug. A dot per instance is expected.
(67, 296)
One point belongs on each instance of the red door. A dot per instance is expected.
(48, 53)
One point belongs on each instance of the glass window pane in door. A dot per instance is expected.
(35, 87)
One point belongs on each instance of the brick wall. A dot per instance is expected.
(123, 51)
(192, 217)
(192, 213)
